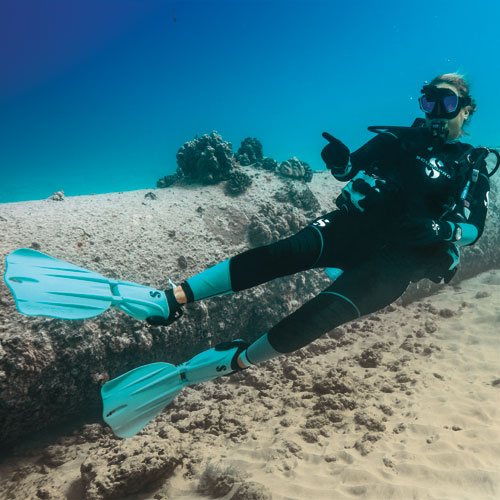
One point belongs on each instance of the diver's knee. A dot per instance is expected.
(315, 318)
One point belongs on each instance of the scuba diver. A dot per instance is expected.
(413, 196)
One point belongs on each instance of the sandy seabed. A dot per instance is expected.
(421, 422)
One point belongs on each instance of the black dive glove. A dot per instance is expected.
(421, 231)
(335, 154)
(366, 191)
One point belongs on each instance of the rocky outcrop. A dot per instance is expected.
(51, 370)
(125, 467)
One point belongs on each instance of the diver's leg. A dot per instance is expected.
(357, 292)
(302, 251)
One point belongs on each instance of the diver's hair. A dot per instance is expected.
(461, 84)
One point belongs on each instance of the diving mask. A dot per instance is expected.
(439, 102)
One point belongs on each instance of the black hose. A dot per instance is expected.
(497, 154)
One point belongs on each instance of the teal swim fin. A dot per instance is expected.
(133, 399)
(44, 286)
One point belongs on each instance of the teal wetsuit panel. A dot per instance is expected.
(212, 282)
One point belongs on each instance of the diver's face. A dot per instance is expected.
(454, 125)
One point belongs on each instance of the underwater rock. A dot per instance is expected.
(269, 164)
(303, 199)
(49, 493)
(56, 455)
(51, 370)
(337, 381)
(271, 223)
(259, 233)
(92, 432)
(365, 445)
(252, 491)
(126, 467)
(182, 262)
(150, 196)
(250, 152)
(169, 180)
(237, 184)
(207, 160)
(371, 423)
(296, 169)
(57, 196)
(370, 358)
(218, 480)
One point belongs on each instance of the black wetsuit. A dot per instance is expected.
(377, 266)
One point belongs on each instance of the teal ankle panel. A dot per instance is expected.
(261, 350)
(469, 234)
(212, 282)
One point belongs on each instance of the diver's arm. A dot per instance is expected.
(420, 231)
(344, 165)
(368, 156)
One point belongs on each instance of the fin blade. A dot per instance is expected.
(44, 286)
(133, 399)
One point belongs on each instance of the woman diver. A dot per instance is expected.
(400, 218)
(413, 196)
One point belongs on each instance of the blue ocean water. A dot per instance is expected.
(98, 96)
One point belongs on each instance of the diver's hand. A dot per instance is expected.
(421, 231)
(336, 155)
(366, 191)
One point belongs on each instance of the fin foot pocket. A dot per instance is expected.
(174, 311)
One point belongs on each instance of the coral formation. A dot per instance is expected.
(169, 180)
(250, 152)
(207, 159)
(269, 164)
(303, 199)
(272, 223)
(296, 169)
(238, 183)
(57, 196)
